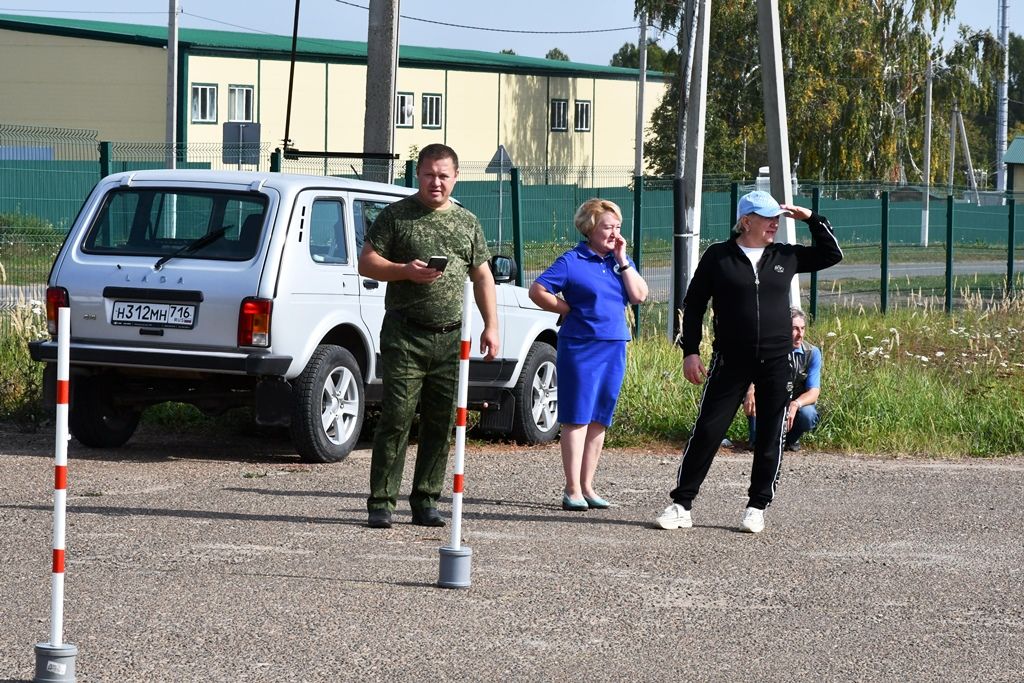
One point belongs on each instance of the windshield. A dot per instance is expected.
(165, 222)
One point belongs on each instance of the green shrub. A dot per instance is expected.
(21, 378)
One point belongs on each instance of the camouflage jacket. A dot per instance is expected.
(408, 230)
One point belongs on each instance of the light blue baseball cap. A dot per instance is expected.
(759, 202)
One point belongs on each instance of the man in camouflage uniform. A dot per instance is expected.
(419, 339)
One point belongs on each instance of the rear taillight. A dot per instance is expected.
(56, 297)
(254, 322)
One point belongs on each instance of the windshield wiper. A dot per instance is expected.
(195, 245)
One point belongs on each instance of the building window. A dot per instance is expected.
(431, 111)
(582, 120)
(240, 99)
(404, 112)
(559, 114)
(204, 104)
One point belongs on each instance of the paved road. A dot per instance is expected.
(867, 271)
(659, 278)
(206, 559)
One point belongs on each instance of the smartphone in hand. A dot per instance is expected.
(438, 262)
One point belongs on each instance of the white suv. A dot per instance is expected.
(228, 289)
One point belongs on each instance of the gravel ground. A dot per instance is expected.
(225, 559)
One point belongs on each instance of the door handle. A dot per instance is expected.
(370, 284)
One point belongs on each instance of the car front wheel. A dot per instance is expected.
(536, 393)
(329, 405)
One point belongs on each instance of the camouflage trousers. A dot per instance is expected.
(419, 367)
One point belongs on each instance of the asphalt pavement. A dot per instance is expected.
(222, 558)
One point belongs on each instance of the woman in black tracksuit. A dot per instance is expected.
(747, 281)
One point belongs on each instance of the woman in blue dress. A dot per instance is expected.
(596, 280)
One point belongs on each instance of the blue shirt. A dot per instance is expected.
(592, 287)
(813, 368)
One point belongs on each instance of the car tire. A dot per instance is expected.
(93, 418)
(536, 393)
(329, 405)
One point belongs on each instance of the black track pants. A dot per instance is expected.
(724, 388)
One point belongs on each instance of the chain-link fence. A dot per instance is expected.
(893, 256)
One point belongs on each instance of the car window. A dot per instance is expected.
(148, 222)
(364, 213)
(327, 243)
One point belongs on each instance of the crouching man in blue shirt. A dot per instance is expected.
(802, 412)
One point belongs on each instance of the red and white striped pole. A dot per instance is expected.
(55, 661)
(455, 558)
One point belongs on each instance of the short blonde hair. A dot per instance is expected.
(591, 210)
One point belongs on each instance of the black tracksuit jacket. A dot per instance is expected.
(751, 315)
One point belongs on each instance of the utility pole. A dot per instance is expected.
(689, 174)
(172, 82)
(381, 79)
(1003, 97)
(927, 153)
(967, 156)
(775, 122)
(952, 147)
(638, 157)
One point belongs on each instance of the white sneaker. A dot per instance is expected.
(753, 521)
(675, 516)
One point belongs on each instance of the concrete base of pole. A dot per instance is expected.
(55, 663)
(455, 567)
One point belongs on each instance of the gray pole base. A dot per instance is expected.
(455, 567)
(55, 663)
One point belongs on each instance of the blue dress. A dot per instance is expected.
(591, 360)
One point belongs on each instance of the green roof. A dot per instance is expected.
(1014, 154)
(280, 46)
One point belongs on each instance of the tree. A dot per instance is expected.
(1016, 85)
(556, 54)
(657, 58)
(507, 51)
(854, 87)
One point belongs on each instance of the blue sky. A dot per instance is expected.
(346, 20)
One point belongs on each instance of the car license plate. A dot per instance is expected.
(153, 315)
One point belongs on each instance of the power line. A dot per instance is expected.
(499, 30)
(76, 11)
(227, 23)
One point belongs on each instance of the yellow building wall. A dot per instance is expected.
(346, 106)
(526, 125)
(471, 127)
(524, 118)
(420, 82)
(68, 82)
(78, 83)
(614, 125)
(269, 78)
(309, 104)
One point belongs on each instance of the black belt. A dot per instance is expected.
(437, 329)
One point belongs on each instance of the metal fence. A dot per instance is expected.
(527, 212)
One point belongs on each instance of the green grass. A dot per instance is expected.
(658, 254)
(914, 381)
(28, 246)
(21, 378)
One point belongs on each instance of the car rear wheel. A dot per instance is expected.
(328, 409)
(536, 393)
(94, 418)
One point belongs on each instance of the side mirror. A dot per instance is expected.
(504, 269)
